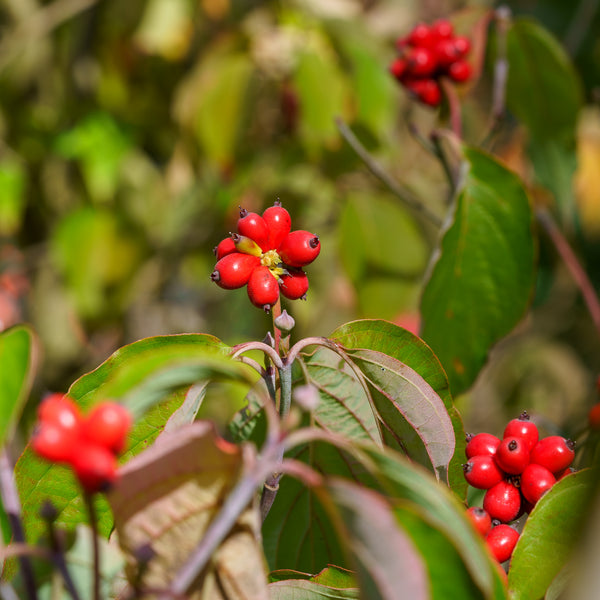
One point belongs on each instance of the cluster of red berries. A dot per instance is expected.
(89, 444)
(516, 471)
(428, 53)
(266, 256)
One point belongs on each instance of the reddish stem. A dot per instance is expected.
(276, 311)
(454, 106)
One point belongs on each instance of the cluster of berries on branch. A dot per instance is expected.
(516, 471)
(266, 256)
(88, 444)
(428, 53)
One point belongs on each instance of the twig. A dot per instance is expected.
(12, 507)
(572, 263)
(268, 350)
(58, 558)
(89, 501)
(449, 90)
(438, 150)
(397, 189)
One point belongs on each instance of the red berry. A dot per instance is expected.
(54, 443)
(107, 425)
(60, 410)
(482, 472)
(442, 29)
(398, 68)
(224, 247)
(502, 502)
(299, 248)
(234, 270)
(535, 482)
(482, 443)
(564, 473)
(554, 452)
(446, 52)
(501, 541)
(427, 91)
(594, 417)
(523, 428)
(253, 226)
(480, 519)
(95, 467)
(294, 285)
(420, 36)
(263, 288)
(421, 62)
(462, 45)
(512, 455)
(279, 222)
(460, 71)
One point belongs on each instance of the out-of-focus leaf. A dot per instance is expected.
(551, 533)
(17, 347)
(95, 252)
(331, 576)
(482, 280)
(388, 564)
(166, 499)
(543, 89)
(12, 188)
(407, 348)
(295, 589)
(587, 177)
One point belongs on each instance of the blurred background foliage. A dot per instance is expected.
(131, 132)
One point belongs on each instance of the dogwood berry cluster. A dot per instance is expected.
(266, 256)
(428, 53)
(516, 471)
(89, 444)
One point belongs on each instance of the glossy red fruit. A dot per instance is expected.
(279, 222)
(263, 288)
(107, 425)
(462, 45)
(554, 452)
(482, 443)
(482, 472)
(512, 455)
(426, 90)
(95, 467)
(502, 502)
(294, 285)
(54, 443)
(420, 36)
(398, 68)
(442, 29)
(234, 270)
(460, 71)
(299, 248)
(253, 226)
(535, 482)
(224, 247)
(480, 519)
(60, 410)
(594, 417)
(523, 428)
(421, 62)
(501, 541)
(446, 53)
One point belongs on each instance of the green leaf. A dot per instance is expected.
(543, 88)
(481, 284)
(12, 198)
(551, 533)
(16, 376)
(332, 576)
(294, 589)
(409, 349)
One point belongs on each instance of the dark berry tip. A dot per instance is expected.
(303, 297)
(215, 250)
(236, 237)
(267, 308)
(467, 467)
(243, 212)
(524, 416)
(277, 202)
(215, 276)
(479, 511)
(570, 444)
(513, 445)
(314, 242)
(468, 437)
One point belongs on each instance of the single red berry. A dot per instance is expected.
(446, 53)
(426, 90)
(563, 474)
(442, 29)
(299, 248)
(512, 455)
(554, 452)
(279, 222)
(224, 247)
(234, 270)
(421, 62)
(398, 68)
(535, 482)
(54, 443)
(253, 226)
(482, 443)
(420, 36)
(482, 472)
(523, 428)
(294, 285)
(502, 502)
(60, 410)
(263, 288)
(501, 541)
(462, 45)
(95, 467)
(480, 519)
(594, 417)
(460, 71)
(107, 425)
